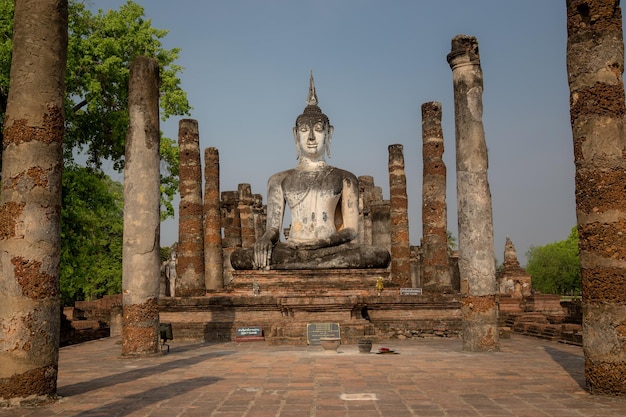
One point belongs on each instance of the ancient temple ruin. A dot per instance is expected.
(331, 270)
(256, 280)
(345, 261)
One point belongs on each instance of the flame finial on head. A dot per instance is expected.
(311, 100)
(312, 113)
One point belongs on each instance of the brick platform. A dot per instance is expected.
(288, 300)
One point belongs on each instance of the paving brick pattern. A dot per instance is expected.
(427, 377)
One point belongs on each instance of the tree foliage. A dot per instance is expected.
(6, 47)
(451, 241)
(91, 233)
(100, 49)
(555, 267)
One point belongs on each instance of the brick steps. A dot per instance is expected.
(540, 326)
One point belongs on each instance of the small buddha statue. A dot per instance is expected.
(324, 205)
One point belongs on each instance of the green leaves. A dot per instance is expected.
(555, 267)
(91, 235)
(101, 48)
(6, 48)
(169, 183)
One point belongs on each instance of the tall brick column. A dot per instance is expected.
(399, 216)
(436, 274)
(595, 63)
(213, 254)
(141, 273)
(381, 224)
(259, 215)
(476, 245)
(190, 267)
(366, 183)
(231, 221)
(246, 215)
(368, 193)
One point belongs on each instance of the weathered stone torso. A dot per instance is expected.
(313, 199)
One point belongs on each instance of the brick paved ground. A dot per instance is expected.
(427, 377)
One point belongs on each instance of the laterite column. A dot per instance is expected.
(381, 224)
(595, 63)
(30, 204)
(140, 255)
(436, 274)
(399, 216)
(213, 254)
(246, 216)
(476, 246)
(231, 220)
(190, 267)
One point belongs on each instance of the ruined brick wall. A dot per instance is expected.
(246, 216)
(381, 224)
(368, 194)
(231, 222)
(99, 309)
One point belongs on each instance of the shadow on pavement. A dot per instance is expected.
(572, 363)
(135, 402)
(128, 376)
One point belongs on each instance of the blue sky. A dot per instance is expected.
(246, 74)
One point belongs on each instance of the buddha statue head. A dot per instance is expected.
(312, 127)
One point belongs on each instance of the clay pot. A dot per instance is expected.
(330, 343)
(364, 345)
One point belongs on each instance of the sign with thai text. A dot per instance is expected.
(410, 291)
(249, 331)
(316, 331)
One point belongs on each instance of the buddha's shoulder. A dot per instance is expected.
(345, 174)
(279, 176)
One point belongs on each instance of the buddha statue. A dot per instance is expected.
(324, 205)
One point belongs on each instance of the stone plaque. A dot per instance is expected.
(315, 331)
(410, 291)
(254, 331)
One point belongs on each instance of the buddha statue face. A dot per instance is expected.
(312, 138)
(313, 131)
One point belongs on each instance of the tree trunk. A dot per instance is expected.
(30, 203)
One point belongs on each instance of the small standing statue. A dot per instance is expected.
(324, 206)
(380, 285)
(170, 273)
